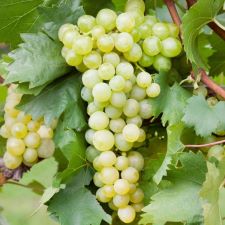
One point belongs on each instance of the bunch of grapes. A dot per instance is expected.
(27, 139)
(111, 51)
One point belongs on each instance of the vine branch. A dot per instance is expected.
(205, 145)
(204, 77)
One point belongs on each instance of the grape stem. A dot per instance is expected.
(204, 77)
(205, 145)
(218, 30)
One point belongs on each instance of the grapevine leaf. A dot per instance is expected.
(76, 204)
(199, 14)
(204, 118)
(62, 96)
(181, 197)
(212, 193)
(38, 61)
(174, 146)
(119, 4)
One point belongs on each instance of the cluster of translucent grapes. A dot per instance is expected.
(27, 139)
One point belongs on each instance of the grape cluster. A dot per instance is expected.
(27, 139)
(111, 51)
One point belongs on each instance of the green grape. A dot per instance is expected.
(98, 121)
(103, 140)
(91, 153)
(171, 47)
(97, 165)
(97, 180)
(107, 159)
(89, 134)
(5, 132)
(142, 136)
(161, 30)
(106, 71)
(130, 174)
(138, 93)
(117, 125)
(81, 67)
(134, 54)
(137, 196)
(138, 16)
(124, 42)
(150, 20)
(152, 46)
(136, 35)
(46, 148)
(122, 163)
(92, 107)
(125, 70)
(69, 37)
(64, 51)
(11, 161)
(83, 45)
(30, 155)
(33, 126)
(138, 207)
(117, 83)
(136, 160)
(118, 99)
(162, 63)
(217, 151)
(101, 196)
(153, 90)
(174, 29)
(135, 120)
(32, 140)
(97, 31)
(15, 146)
(93, 60)
(9, 121)
(122, 144)
(101, 105)
(101, 92)
(23, 118)
(109, 175)
(127, 214)
(64, 28)
(108, 190)
(73, 59)
(146, 110)
(86, 23)
(145, 30)
(133, 5)
(113, 112)
(122, 187)
(86, 94)
(112, 58)
(45, 132)
(112, 206)
(146, 60)
(121, 201)
(107, 19)
(128, 86)
(90, 78)
(133, 188)
(105, 43)
(19, 130)
(131, 132)
(131, 108)
(144, 79)
(125, 22)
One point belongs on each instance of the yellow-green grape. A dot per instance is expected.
(64, 28)
(135, 120)
(112, 58)
(32, 140)
(128, 86)
(72, 58)
(109, 175)
(113, 112)
(152, 46)
(86, 23)
(106, 71)
(107, 158)
(98, 121)
(122, 144)
(5, 131)
(107, 19)
(97, 31)
(101, 92)
(133, 188)
(93, 60)
(103, 140)
(92, 108)
(161, 30)
(146, 60)
(109, 191)
(136, 160)
(171, 47)
(101, 105)
(145, 30)
(137, 196)
(150, 20)
(142, 136)
(30, 155)
(29, 164)
(138, 16)
(83, 45)
(122, 163)
(69, 37)
(134, 54)
(112, 206)
(97, 165)
(46, 148)
(81, 67)
(117, 83)
(126, 214)
(89, 134)
(131, 108)
(97, 180)
(90, 78)
(144, 79)
(138, 93)
(131, 132)
(105, 43)
(130, 174)
(91, 153)
(173, 29)
(125, 70)
(121, 201)
(162, 63)
(86, 94)
(133, 5)
(9, 121)
(153, 90)
(11, 111)
(11, 161)
(136, 35)
(146, 110)
(124, 42)
(118, 99)
(100, 195)
(33, 126)
(125, 22)
(23, 118)
(45, 132)
(117, 125)
(15, 146)
(122, 187)
(138, 207)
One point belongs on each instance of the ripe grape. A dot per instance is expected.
(82, 45)
(161, 30)
(130, 174)
(12, 161)
(117, 125)
(101, 92)
(125, 70)
(112, 58)
(98, 121)
(127, 214)
(106, 71)
(125, 22)
(93, 60)
(122, 163)
(122, 187)
(134, 54)
(86, 23)
(91, 153)
(152, 46)
(144, 79)
(124, 42)
(46, 148)
(103, 140)
(162, 63)
(136, 160)
(109, 175)
(105, 43)
(153, 90)
(121, 201)
(117, 83)
(107, 159)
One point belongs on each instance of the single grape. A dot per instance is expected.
(126, 214)
(9, 121)
(162, 63)
(81, 67)
(15, 146)
(121, 201)
(32, 140)
(72, 58)
(146, 110)
(153, 90)
(122, 163)
(152, 46)
(131, 132)
(118, 99)
(97, 180)
(174, 30)
(97, 165)
(68, 38)
(101, 105)
(86, 94)
(93, 60)
(107, 159)
(144, 79)
(136, 35)
(105, 43)
(128, 86)
(92, 108)
(146, 60)
(135, 120)
(134, 54)
(142, 136)
(136, 160)
(46, 148)
(133, 188)
(64, 28)
(121, 143)
(23, 118)
(19, 130)
(150, 20)
(133, 5)
(98, 121)
(97, 31)
(138, 93)
(109, 175)
(82, 45)
(171, 47)
(91, 153)
(5, 131)
(117, 83)
(109, 191)
(45, 132)
(112, 206)
(124, 42)
(145, 30)
(125, 70)
(161, 30)
(33, 126)
(131, 174)
(137, 196)
(86, 23)
(113, 112)
(125, 22)
(90, 78)
(101, 196)
(138, 207)
(138, 16)
(89, 136)
(30, 155)
(103, 140)
(106, 71)
(117, 125)
(112, 58)
(131, 108)
(101, 92)
(11, 161)
(122, 187)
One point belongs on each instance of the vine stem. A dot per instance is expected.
(205, 145)
(204, 77)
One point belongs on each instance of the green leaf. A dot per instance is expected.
(119, 4)
(38, 61)
(180, 201)
(204, 118)
(76, 204)
(199, 14)
(62, 96)
(212, 193)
